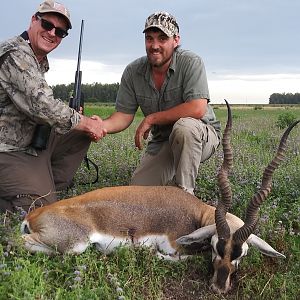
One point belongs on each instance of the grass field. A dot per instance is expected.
(135, 273)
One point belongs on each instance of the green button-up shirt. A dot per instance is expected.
(185, 81)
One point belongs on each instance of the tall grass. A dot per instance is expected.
(136, 273)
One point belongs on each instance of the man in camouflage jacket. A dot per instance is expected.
(30, 175)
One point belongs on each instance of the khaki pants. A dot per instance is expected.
(25, 178)
(190, 143)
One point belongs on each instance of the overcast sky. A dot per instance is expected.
(250, 47)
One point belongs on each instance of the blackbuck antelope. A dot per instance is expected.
(164, 218)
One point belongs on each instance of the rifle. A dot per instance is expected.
(77, 100)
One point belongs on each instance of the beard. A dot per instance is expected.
(159, 61)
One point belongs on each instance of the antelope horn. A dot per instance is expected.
(242, 234)
(223, 229)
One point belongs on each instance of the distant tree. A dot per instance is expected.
(284, 98)
(95, 92)
(62, 91)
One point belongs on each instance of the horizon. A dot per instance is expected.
(259, 84)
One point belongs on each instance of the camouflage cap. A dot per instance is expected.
(50, 6)
(163, 21)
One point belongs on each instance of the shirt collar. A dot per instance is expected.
(173, 61)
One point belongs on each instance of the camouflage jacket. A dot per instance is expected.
(26, 99)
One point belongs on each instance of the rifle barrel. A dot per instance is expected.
(80, 45)
(76, 101)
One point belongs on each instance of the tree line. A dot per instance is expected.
(285, 98)
(95, 92)
(98, 92)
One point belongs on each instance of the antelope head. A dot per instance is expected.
(230, 244)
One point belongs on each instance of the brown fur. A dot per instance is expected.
(123, 211)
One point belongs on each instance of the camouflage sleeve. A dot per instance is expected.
(24, 83)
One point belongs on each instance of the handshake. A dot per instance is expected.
(96, 128)
(92, 126)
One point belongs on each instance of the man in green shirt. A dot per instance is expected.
(170, 87)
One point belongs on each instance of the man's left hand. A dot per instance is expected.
(141, 133)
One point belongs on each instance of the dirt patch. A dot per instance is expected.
(195, 285)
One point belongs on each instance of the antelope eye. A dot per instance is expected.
(26, 230)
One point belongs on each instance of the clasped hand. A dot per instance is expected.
(97, 131)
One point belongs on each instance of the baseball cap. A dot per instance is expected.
(163, 21)
(50, 6)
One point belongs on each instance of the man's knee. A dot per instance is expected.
(187, 129)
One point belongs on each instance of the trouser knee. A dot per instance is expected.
(184, 130)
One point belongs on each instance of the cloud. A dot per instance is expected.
(62, 71)
(256, 77)
(249, 88)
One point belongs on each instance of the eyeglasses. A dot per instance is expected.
(61, 33)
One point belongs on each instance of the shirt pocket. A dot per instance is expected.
(172, 97)
(148, 105)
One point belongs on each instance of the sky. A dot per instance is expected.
(250, 47)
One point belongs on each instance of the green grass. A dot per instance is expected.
(136, 273)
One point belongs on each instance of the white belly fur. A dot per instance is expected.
(106, 243)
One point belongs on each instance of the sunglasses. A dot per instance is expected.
(59, 32)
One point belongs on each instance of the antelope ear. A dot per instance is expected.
(263, 246)
(198, 235)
